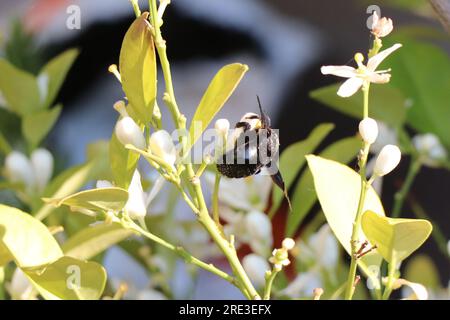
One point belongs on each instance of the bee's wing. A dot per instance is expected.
(278, 180)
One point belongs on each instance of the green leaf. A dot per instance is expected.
(387, 103)
(36, 126)
(395, 238)
(422, 72)
(19, 89)
(25, 239)
(102, 199)
(304, 196)
(219, 90)
(56, 70)
(123, 162)
(293, 158)
(92, 240)
(69, 279)
(69, 182)
(421, 269)
(338, 188)
(137, 65)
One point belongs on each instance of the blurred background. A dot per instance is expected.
(283, 42)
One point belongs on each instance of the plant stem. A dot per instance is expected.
(181, 252)
(204, 218)
(136, 9)
(269, 281)
(350, 289)
(401, 194)
(215, 200)
(390, 280)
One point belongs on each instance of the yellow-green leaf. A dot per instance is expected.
(421, 269)
(304, 196)
(25, 239)
(69, 279)
(92, 240)
(219, 90)
(35, 126)
(102, 199)
(395, 238)
(293, 158)
(56, 70)
(137, 64)
(338, 188)
(19, 89)
(123, 162)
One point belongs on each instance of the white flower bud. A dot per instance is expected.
(381, 27)
(103, 184)
(256, 266)
(387, 160)
(161, 145)
(430, 148)
(42, 162)
(258, 225)
(288, 244)
(19, 169)
(135, 205)
(368, 129)
(222, 126)
(128, 132)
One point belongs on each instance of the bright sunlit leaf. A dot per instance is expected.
(102, 199)
(137, 66)
(395, 238)
(36, 126)
(93, 240)
(25, 239)
(219, 90)
(69, 279)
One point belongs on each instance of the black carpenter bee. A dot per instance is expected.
(253, 146)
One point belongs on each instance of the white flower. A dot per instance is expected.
(258, 228)
(34, 173)
(280, 257)
(256, 267)
(247, 194)
(387, 160)
(288, 244)
(431, 150)
(321, 249)
(363, 74)
(303, 285)
(136, 204)
(20, 288)
(161, 145)
(368, 129)
(381, 27)
(411, 290)
(19, 169)
(128, 132)
(222, 126)
(42, 163)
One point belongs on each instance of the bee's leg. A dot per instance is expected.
(278, 180)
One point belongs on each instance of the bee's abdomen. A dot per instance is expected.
(238, 170)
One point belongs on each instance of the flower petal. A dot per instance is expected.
(379, 77)
(349, 87)
(375, 61)
(339, 71)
